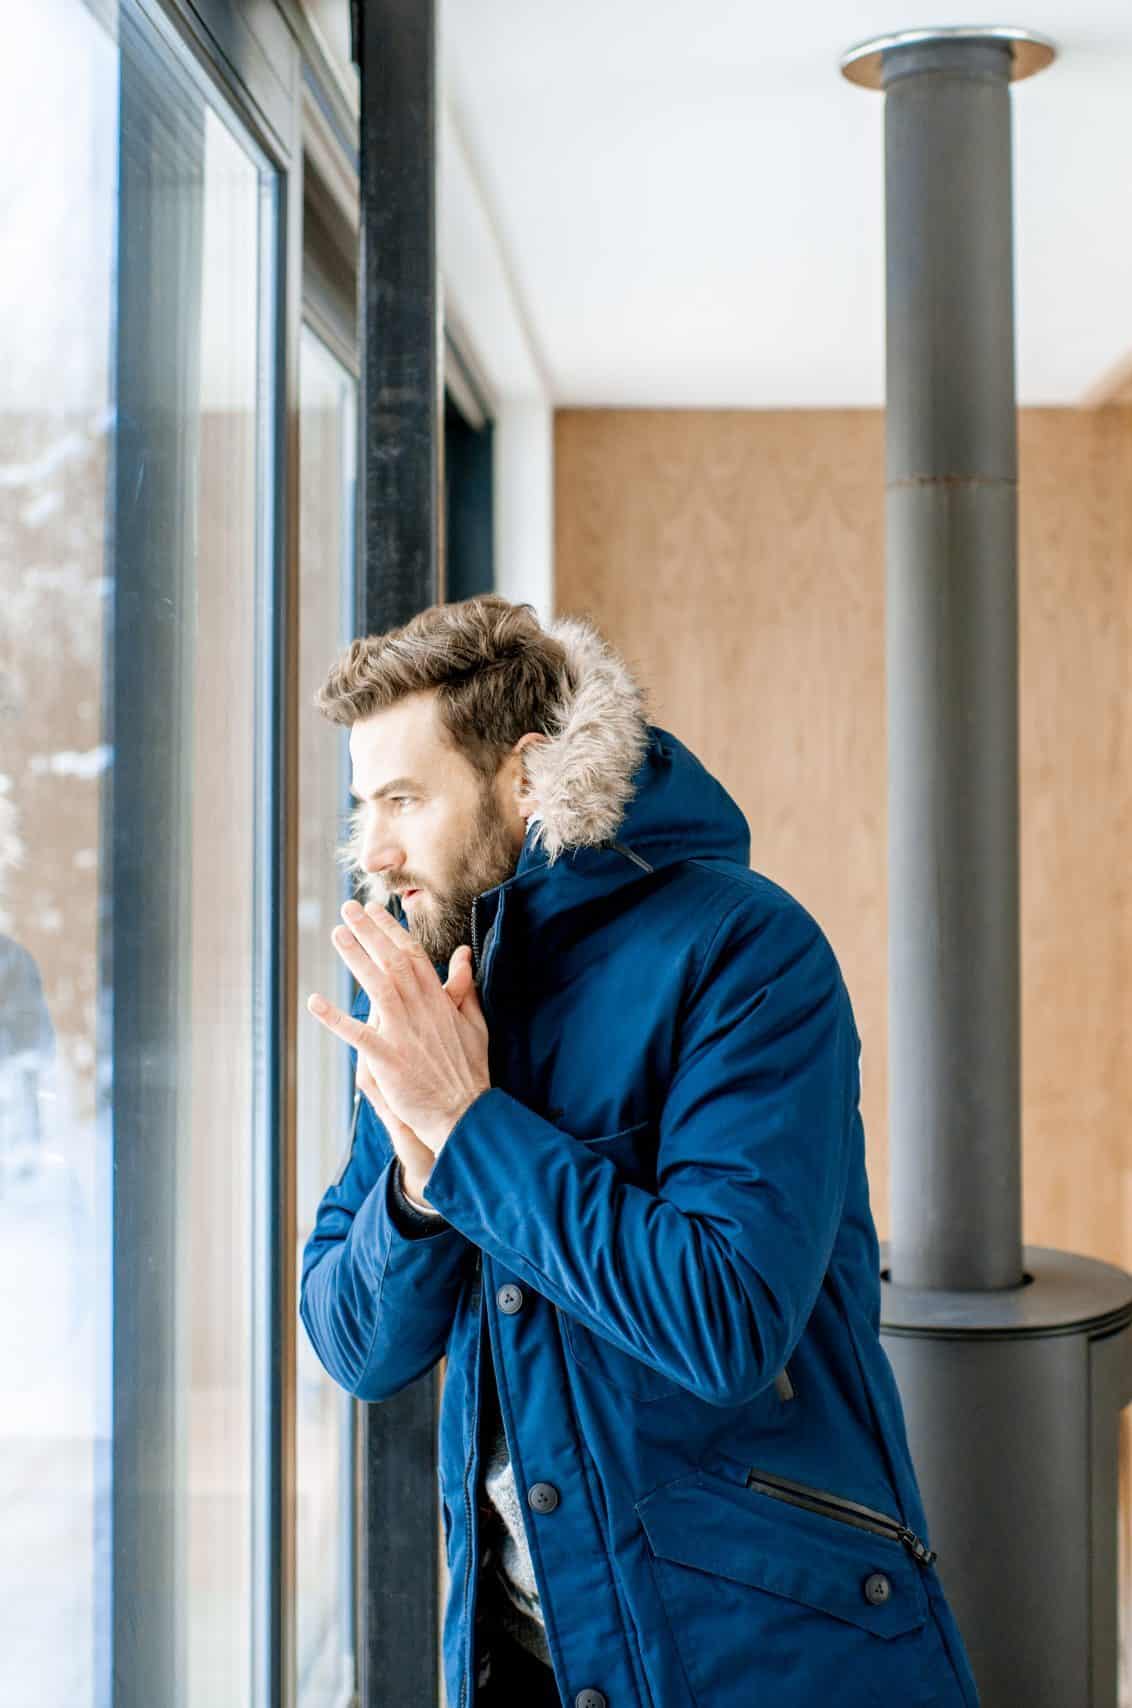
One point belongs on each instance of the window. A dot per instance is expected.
(324, 1415)
(468, 454)
(135, 427)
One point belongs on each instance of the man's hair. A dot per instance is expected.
(497, 674)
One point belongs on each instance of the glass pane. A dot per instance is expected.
(324, 1587)
(58, 164)
(134, 410)
(222, 1019)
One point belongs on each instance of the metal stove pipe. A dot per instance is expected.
(952, 656)
(1013, 1362)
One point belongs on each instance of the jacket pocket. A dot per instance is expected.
(765, 1593)
(835, 1506)
(632, 1151)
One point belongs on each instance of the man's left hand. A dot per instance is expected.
(426, 1048)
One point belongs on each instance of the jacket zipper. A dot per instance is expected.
(469, 1631)
(847, 1511)
(478, 968)
(468, 1635)
(482, 957)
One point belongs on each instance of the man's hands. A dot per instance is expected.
(422, 1057)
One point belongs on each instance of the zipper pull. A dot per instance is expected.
(920, 1550)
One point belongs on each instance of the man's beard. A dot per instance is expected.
(444, 921)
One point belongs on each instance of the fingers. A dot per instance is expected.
(380, 987)
(397, 949)
(343, 1026)
(371, 943)
(369, 1047)
(389, 949)
(390, 944)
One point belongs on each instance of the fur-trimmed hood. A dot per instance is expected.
(609, 778)
(582, 778)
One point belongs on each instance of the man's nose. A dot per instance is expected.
(379, 854)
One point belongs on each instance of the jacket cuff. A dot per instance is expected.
(496, 1171)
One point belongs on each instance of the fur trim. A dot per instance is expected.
(582, 777)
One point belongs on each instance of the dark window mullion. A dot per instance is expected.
(401, 496)
(275, 888)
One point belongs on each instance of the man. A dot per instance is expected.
(613, 1167)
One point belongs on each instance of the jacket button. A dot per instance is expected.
(542, 1496)
(509, 1298)
(877, 1589)
(589, 1699)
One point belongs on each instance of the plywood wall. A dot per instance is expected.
(737, 559)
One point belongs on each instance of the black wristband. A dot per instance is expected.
(407, 1217)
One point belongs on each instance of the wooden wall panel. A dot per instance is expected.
(737, 559)
(1075, 692)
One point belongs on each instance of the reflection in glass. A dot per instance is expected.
(324, 1444)
(133, 422)
(222, 1018)
(58, 123)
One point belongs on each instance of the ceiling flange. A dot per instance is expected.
(1030, 52)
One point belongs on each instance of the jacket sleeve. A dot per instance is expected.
(379, 1287)
(711, 1279)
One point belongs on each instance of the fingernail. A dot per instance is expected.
(318, 1005)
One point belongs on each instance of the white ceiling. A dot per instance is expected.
(688, 198)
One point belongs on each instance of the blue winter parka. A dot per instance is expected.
(670, 1167)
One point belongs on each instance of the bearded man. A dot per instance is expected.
(613, 1167)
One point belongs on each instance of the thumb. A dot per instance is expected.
(460, 980)
(471, 1009)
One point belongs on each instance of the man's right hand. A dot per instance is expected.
(416, 1158)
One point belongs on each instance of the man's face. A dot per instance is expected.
(430, 828)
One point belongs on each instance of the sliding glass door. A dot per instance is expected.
(137, 426)
(324, 1419)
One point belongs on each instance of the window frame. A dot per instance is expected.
(248, 69)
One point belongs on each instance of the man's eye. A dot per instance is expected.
(402, 800)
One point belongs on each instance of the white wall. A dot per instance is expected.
(524, 503)
(485, 315)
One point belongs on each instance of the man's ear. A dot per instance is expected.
(523, 793)
(532, 735)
